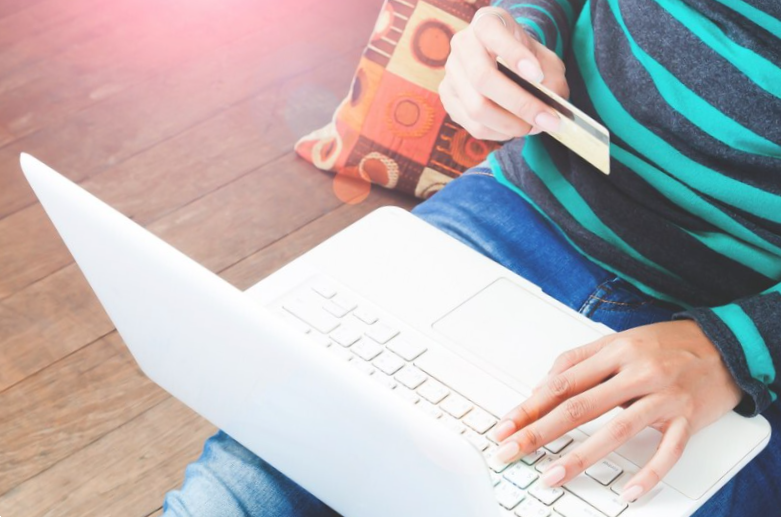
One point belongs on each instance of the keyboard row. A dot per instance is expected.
(376, 346)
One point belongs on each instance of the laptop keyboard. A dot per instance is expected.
(376, 345)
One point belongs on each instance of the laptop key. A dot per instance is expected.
(335, 309)
(520, 475)
(595, 494)
(534, 457)
(532, 508)
(429, 408)
(381, 333)
(411, 377)
(508, 495)
(479, 420)
(605, 471)
(365, 349)
(313, 316)
(365, 316)
(324, 289)
(409, 351)
(433, 391)
(569, 506)
(557, 445)
(363, 366)
(345, 302)
(478, 440)
(546, 495)
(384, 380)
(388, 363)
(407, 394)
(345, 335)
(456, 405)
(453, 424)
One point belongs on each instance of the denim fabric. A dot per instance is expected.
(228, 480)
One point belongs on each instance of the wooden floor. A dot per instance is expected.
(182, 114)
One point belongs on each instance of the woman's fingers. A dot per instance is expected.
(614, 434)
(561, 399)
(478, 58)
(568, 415)
(507, 40)
(670, 450)
(455, 109)
(577, 355)
(477, 107)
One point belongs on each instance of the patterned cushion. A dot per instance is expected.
(392, 129)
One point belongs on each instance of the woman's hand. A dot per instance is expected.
(667, 375)
(480, 98)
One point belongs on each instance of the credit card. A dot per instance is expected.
(582, 134)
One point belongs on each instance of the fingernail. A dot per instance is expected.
(507, 452)
(503, 430)
(632, 493)
(530, 71)
(553, 475)
(547, 121)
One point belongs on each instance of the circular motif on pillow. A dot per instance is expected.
(431, 43)
(410, 116)
(379, 169)
(467, 150)
(384, 22)
(326, 150)
(432, 189)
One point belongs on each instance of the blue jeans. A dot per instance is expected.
(230, 481)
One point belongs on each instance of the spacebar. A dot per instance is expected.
(469, 381)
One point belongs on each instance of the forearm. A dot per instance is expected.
(748, 335)
(549, 21)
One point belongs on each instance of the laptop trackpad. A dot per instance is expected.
(515, 330)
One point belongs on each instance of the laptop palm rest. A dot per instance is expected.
(519, 333)
(514, 329)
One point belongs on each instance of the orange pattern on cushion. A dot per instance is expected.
(391, 129)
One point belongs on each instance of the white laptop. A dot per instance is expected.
(370, 369)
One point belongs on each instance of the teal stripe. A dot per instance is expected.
(540, 163)
(760, 70)
(760, 364)
(531, 23)
(559, 48)
(761, 18)
(496, 168)
(695, 108)
(568, 12)
(683, 196)
(622, 124)
(763, 263)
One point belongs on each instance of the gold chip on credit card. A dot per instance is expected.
(582, 134)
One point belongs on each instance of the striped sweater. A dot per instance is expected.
(691, 212)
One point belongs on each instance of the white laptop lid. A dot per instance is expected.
(349, 442)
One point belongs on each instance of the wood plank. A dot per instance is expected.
(37, 453)
(49, 415)
(183, 168)
(47, 321)
(40, 30)
(217, 230)
(124, 473)
(68, 405)
(124, 125)
(10, 7)
(113, 47)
